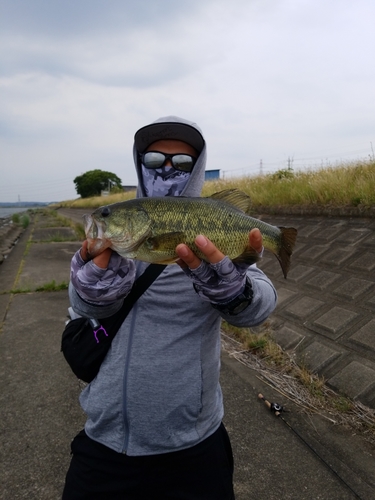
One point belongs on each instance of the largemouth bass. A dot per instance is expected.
(149, 229)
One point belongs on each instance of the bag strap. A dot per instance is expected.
(139, 287)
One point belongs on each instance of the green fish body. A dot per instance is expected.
(149, 229)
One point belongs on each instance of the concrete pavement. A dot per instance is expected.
(40, 414)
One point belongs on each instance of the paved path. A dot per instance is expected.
(39, 411)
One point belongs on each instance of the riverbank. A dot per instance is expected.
(40, 413)
(10, 233)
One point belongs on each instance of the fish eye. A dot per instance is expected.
(106, 211)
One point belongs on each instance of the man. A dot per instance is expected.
(155, 409)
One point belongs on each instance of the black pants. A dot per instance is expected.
(203, 472)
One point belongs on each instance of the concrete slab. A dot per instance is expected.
(317, 356)
(4, 301)
(355, 379)
(365, 336)
(304, 307)
(353, 288)
(11, 266)
(46, 262)
(54, 234)
(287, 338)
(39, 413)
(323, 280)
(333, 323)
(284, 296)
(366, 263)
(299, 273)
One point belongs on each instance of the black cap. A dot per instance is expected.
(170, 127)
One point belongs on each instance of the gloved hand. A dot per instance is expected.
(218, 283)
(105, 279)
(219, 280)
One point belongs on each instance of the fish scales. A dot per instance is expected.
(228, 229)
(150, 228)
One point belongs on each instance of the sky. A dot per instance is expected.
(271, 83)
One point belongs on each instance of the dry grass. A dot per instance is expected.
(96, 201)
(351, 184)
(308, 391)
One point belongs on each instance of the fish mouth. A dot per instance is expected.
(95, 235)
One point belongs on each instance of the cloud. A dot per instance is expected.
(265, 80)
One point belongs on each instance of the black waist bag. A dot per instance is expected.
(85, 342)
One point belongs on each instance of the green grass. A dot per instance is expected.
(52, 286)
(348, 184)
(21, 219)
(96, 201)
(59, 238)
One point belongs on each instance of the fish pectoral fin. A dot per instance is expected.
(234, 197)
(249, 256)
(165, 241)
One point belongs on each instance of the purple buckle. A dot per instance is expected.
(98, 330)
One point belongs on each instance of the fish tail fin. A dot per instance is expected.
(288, 240)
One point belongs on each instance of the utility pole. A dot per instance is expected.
(261, 168)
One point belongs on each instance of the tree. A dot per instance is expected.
(91, 183)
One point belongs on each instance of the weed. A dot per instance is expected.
(282, 175)
(314, 383)
(52, 287)
(272, 355)
(21, 219)
(61, 221)
(342, 404)
(347, 184)
(25, 221)
(20, 290)
(80, 231)
(59, 238)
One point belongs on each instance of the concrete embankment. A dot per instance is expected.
(9, 236)
(326, 308)
(40, 413)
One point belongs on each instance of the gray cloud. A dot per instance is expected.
(265, 80)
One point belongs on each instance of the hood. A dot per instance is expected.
(173, 127)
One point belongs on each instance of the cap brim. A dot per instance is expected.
(168, 130)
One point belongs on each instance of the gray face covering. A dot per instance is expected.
(164, 181)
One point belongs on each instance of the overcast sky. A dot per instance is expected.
(264, 79)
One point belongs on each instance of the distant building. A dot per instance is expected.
(211, 175)
(129, 188)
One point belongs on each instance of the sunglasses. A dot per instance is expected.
(180, 161)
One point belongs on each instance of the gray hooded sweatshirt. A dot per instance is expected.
(158, 388)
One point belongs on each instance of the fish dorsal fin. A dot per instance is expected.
(234, 197)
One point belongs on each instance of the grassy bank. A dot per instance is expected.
(350, 185)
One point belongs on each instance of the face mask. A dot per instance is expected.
(164, 181)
